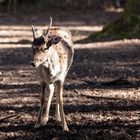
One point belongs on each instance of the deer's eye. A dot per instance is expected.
(49, 36)
(45, 48)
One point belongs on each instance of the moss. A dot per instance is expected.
(124, 27)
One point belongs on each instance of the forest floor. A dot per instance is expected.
(101, 92)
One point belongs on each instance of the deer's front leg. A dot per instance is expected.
(50, 91)
(43, 88)
(60, 97)
(57, 112)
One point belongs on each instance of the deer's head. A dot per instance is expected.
(41, 46)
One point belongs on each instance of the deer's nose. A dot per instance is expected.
(33, 64)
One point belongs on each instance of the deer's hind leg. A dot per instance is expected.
(60, 98)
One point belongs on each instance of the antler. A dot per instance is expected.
(34, 32)
(48, 27)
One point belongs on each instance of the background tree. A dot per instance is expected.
(126, 26)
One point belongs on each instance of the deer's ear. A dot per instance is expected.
(56, 39)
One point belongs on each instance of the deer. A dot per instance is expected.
(52, 56)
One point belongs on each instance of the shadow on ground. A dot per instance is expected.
(90, 114)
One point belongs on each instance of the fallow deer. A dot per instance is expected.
(52, 55)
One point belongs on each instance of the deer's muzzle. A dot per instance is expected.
(34, 64)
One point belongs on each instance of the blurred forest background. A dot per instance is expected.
(68, 4)
(126, 26)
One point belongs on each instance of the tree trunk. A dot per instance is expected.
(132, 8)
(125, 26)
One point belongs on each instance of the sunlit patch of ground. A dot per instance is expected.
(23, 34)
(94, 107)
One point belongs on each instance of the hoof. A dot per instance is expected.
(66, 129)
(37, 126)
(44, 121)
(41, 124)
(58, 118)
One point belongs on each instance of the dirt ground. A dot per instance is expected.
(101, 92)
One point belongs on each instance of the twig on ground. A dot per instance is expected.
(8, 117)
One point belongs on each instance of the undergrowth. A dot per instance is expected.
(124, 27)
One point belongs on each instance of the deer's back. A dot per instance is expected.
(63, 32)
